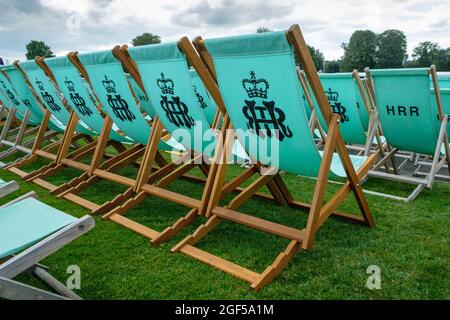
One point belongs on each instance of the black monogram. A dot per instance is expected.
(76, 99)
(176, 110)
(116, 102)
(48, 98)
(9, 93)
(266, 118)
(336, 106)
(200, 99)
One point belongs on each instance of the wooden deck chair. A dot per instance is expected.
(166, 77)
(410, 121)
(12, 137)
(346, 96)
(20, 92)
(57, 108)
(257, 77)
(422, 161)
(82, 102)
(8, 187)
(30, 231)
(122, 105)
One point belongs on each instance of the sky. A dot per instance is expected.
(89, 25)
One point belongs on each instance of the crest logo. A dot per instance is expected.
(176, 110)
(336, 106)
(265, 118)
(200, 98)
(76, 99)
(9, 93)
(116, 102)
(48, 98)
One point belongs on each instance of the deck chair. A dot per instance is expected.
(30, 231)
(66, 78)
(57, 108)
(122, 104)
(17, 110)
(422, 161)
(347, 96)
(257, 77)
(158, 68)
(411, 122)
(8, 187)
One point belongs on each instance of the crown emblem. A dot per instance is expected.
(166, 85)
(39, 84)
(109, 85)
(255, 87)
(332, 95)
(69, 84)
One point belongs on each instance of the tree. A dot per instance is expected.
(145, 38)
(38, 49)
(428, 53)
(333, 66)
(391, 49)
(263, 30)
(360, 51)
(317, 57)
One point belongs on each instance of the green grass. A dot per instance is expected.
(410, 244)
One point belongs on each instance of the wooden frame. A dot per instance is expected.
(147, 185)
(15, 137)
(436, 163)
(318, 212)
(51, 152)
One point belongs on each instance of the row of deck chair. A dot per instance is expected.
(395, 113)
(141, 97)
(242, 96)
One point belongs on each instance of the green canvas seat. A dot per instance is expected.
(345, 100)
(26, 222)
(229, 59)
(78, 96)
(49, 95)
(408, 115)
(22, 89)
(109, 80)
(29, 232)
(19, 139)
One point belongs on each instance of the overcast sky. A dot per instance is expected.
(88, 25)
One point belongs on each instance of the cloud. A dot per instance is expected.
(105, 23)
(230, 12)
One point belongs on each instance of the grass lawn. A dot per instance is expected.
(410, 244)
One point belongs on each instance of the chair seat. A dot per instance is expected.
(338, 169)
(24, 223)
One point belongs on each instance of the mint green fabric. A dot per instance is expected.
(144, 101)
(204, 100)
(75, 90)
(106, 73)
(445, 97)
(444, 82)
(168, 83)
(269, 60)
(49, 95)
(407, 116)
(21, 87)
(340, 89)
(10, 95)
(305, 102)
(25, 223)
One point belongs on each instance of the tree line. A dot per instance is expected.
(365, 48)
